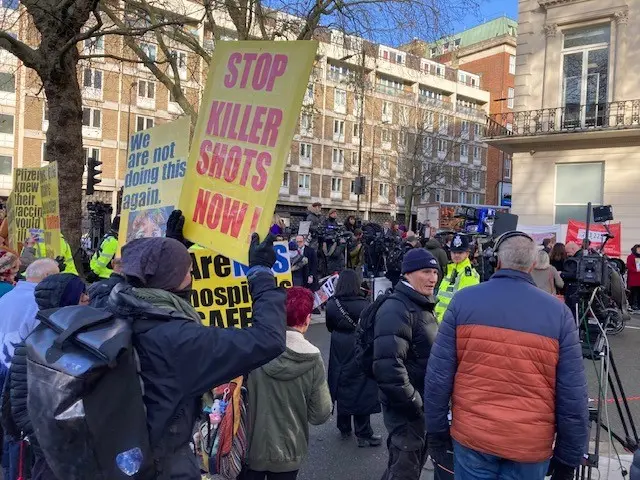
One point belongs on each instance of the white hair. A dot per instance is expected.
(518, 253)
(542, 262)
(41, 269)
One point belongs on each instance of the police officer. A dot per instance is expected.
(101, 260)
(459, 274)
(35, 249)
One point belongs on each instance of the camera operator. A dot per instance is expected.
(314, 214)
(355, 260)
(333, 249)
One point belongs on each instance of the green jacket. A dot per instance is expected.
(101, 260)
(285, 395)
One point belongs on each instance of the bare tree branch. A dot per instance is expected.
(27, 55)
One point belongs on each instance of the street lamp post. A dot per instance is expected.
(360, 128)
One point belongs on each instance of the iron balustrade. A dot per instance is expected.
(567, 119)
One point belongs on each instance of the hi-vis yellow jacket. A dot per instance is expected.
(457, 277)
(69, 266)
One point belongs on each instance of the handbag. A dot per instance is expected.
(345, 314)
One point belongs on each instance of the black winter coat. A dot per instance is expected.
(355, 393)
(181, 360)
(335, 260)
(401, 348)
(99, 291)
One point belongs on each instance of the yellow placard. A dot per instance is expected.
(220, 288)
(155, 171)
(50, 209)
(26, 208)
(247, 119)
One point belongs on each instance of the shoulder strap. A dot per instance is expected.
(344, 313)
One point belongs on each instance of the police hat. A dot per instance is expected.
(460, 243)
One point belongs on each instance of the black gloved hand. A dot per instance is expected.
(437, 446)
(61, 263)
(560, 471)
(175, 224)
(261, 254)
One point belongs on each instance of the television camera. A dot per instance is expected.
(383, 253)
(601, 310)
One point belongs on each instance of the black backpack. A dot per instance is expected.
(85, 396)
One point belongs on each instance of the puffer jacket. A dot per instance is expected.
(285, 396)
(181, 359)
(513, 371)
(405, 329)
(351, 389)
(99, 291)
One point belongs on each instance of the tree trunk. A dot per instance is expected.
(408, 203)
(64, 144)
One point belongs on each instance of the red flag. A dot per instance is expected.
(576, 233)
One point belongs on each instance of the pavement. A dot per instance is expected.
(332, 458)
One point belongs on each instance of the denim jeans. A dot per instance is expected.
(473, 465)
(10, 458)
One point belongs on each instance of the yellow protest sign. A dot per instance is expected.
(50, 209)
(221, 290)
(247, 119)
(155, 170)
(26, 206)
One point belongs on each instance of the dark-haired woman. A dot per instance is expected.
(356, 395)
(557, 256)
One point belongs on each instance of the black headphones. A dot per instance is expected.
(506, 236)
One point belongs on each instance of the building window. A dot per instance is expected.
(92, 78)
(475, 199)
(150, 50)
(464, 150)
(340, 101)
(181, 62)
(444, 122)
(427, 145)
(352, 187)
(91, 152)
(387, 112)
(357, 104)
(336, 185)
(442, 145)
(285, 180)
(338, 130)
(305, 154)
(383, 190)
(577, 184)
(7, 82)
(585, 75)
(146, 89)
(143, 123)
(475, 176)
(356, 132)
(91, 117)
(507, 168)
(384, 162)
(304, 184)
(308, 94)
(439, 195)
(337, 157)
(386, 135)
(10, 4)
(477, 130)
(512, 64)
(306, 124)
(6, 163)
(434, 51)
(510, 97)
(400, 191)
(462, 197)
(464, 126)
(354, 159)
(94, 46)
(6, 124)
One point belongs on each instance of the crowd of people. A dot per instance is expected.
(485, 388)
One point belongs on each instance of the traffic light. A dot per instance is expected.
(360, 185)
(93, 173)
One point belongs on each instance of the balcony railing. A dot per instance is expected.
(435, 102)
(567, 119)
(396, 92)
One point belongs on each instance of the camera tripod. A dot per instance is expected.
(595, 347)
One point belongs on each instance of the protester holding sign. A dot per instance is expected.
(181, 359)
(248, 117)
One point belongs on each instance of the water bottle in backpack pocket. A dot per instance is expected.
(85, 396)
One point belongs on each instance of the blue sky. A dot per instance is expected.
(489, 9)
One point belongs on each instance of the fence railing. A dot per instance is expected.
(567, 119)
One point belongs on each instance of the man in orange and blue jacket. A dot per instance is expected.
(509, 359)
